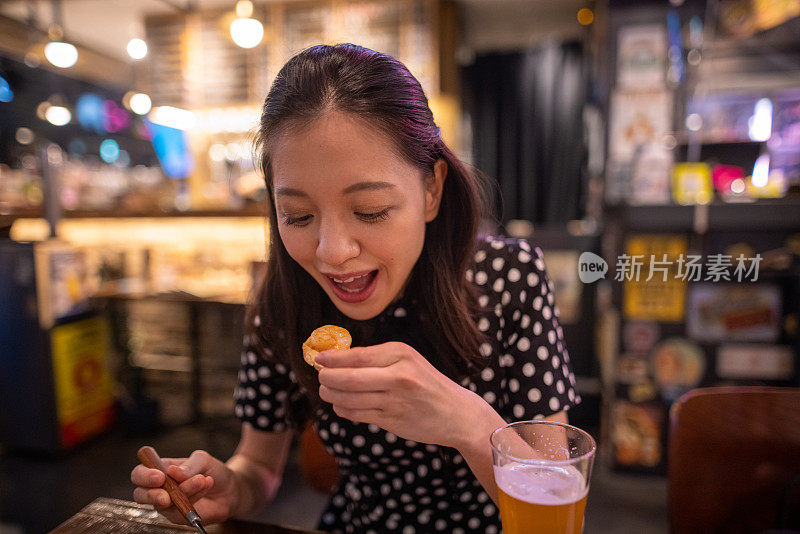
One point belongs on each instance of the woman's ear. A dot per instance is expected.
(433, 189)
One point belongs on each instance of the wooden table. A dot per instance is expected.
(115, 516)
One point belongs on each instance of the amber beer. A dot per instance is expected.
(542, 471)
(540, 500)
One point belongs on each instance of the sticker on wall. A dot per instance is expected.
(636, 433)
(641, 54)
(691, 183)
(678, 366)
(632, 368)
(641, 336)
(637, 120)
(83, 384)
(727, 312)
(767, 362)
(643, 391)
(653, 289)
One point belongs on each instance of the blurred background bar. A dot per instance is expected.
(133, 219)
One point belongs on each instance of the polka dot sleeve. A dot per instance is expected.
(264, 392)
(540, 382)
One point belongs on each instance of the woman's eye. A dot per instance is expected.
(374, 217)
(296, 221)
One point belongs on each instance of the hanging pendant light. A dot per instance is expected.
(246, 32)
(54, 110)
(137, 48)
(59, 52)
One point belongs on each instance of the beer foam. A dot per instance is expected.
(541, 484)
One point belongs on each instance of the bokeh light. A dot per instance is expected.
(89, 110)
(61, 54)
(109, 150)
(694, 122)
(217, 152)
(247, 33)
(24, 136)
(6, 94)
(140, 103)
(77, 147)
(137, 48)
(585, 16)
(123, 159)
(58, 115)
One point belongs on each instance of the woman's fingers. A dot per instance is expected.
(357, 379)
(349, 399)
(153, 478)
(199, 462)
(382, 355)
(146, 477)
(194, 486)
(194, 476)
(199, 489)
(156, 496)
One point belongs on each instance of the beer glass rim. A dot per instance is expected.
(535, 461)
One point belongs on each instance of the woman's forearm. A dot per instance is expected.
(473, 442)
(256, 486)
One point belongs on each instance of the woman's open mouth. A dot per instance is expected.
(354, 288)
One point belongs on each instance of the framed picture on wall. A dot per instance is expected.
(637, 120)
(641, 57)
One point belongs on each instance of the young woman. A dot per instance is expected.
(374, 228)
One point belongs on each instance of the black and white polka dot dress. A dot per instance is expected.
(389, 484)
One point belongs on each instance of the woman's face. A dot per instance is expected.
(351, 211)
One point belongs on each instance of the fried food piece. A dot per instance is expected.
(325, 338)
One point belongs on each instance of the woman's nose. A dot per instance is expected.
(336, 244)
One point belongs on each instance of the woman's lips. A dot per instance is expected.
(353, 287)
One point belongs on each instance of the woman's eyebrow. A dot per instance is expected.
(367, 186)
(358, 186)
(289, 192)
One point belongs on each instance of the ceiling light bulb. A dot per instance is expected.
(58, 115)
(61, 54)
(140, 103)
(244, 9)
(137, 48)
(247, 33)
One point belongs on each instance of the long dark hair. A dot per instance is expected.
(381, 91)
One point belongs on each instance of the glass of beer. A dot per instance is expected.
(542, 470)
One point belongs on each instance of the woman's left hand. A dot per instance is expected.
(394, 387)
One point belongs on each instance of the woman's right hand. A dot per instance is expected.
(208, 483)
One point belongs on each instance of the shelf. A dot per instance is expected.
(778, 214)
(684, 141)
(35, 213)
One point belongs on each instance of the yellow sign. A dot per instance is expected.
(84, 388)
(691, 183)
(653, 289)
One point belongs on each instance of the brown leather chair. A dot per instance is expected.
(734, 460)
